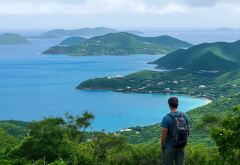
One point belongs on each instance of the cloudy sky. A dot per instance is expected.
(46, 14)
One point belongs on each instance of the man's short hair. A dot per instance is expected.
(173, 102)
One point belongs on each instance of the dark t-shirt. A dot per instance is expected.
(168, 122)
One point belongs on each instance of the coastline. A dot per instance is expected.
(131, 128)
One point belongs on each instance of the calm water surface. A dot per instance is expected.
(33, 86)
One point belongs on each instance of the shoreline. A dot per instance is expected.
(107, 89)
(127, 129)
(208, 101)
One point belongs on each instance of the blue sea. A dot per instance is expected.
(34, 86)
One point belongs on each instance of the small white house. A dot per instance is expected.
(202, 86)
(175, 82)
(126, 130)
(119, 76)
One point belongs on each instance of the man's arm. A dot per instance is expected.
(164, 136)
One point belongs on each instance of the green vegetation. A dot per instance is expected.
(198, 84)
(214, 127)
(14, 128)
(200, 125)
(63, 141)
(73, 41)
(121, 44)
(214, 135)
(227, 137)
(219, 56)
(208, 70)
(13, 39)
(84, 32)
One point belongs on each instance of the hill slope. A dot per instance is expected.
(12, 39)
(121, 43)
(14, 128)
(73, 41)
(208, 56)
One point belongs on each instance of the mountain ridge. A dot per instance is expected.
(206, 56)
(121, 43)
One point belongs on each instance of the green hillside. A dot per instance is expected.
(198, 84)
(222, 88)
(219, 56)
(86, 32)
(62, 141)
(203, 119)
(14, 128)
(121, 44)
(73, 41)
(13, 39)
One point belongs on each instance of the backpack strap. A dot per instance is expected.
(172, 115)
(174, 130)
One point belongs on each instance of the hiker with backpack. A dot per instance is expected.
(175, 131)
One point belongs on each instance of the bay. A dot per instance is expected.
(33, 86)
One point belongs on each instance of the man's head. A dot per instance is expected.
(173, 102)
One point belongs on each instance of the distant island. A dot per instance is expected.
(13, 39)
(121, 43)
(83, 32)
(227, 29)
(216, 56)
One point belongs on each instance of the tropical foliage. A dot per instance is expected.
(63, 141)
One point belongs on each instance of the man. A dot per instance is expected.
(175, 130)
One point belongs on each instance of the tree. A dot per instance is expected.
(53, 138)
(227, 137)
(76, 125)
(103, 143)
(47, 140)
(6, 141)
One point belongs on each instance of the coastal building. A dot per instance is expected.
(202, 86)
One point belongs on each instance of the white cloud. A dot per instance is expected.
(87, 7)
(139, 13)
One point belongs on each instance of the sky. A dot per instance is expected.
(70, 14)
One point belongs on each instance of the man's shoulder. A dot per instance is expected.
(165, 121)
(166, 117)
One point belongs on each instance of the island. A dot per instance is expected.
(227, 29)
(204, 70)
(121, 43)
(83, 32)
(13, 39)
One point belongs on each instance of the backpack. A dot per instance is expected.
(180, 131)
